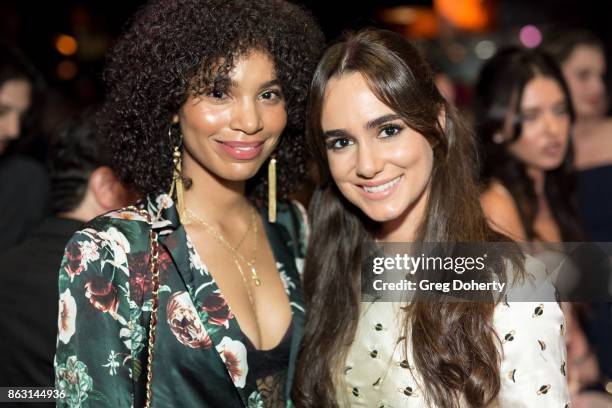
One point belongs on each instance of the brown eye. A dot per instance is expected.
(560, 110)
(390, 130)
(270, 95)
(583, 75)
(340, 143)
(217, 94)
(529, 116)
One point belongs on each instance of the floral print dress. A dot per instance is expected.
(200, 358)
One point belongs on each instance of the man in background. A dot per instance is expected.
(83, 186)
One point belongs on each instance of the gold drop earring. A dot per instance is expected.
(272, 190)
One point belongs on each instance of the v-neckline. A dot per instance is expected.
(216, 289)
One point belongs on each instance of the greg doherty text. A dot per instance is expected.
(426, 285)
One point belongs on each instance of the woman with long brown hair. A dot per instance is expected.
(396, 164)
(523, 115)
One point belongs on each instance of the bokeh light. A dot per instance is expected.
(66, 70)
(66, 44)
(530, 36)
(485, 49)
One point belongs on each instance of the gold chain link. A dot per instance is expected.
(154, 268)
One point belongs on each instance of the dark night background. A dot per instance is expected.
(34, 27)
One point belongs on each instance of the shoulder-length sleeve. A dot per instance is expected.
(93, 364)
(531, 328)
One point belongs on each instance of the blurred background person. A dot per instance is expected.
(581, 55)
(583, 62)
(83, 186)
(23, 181)
(523, 117)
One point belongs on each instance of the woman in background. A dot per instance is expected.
(524, 115)
(396, 164)
(20, 176)
(523, 118)
(581, 55)
(582, 58)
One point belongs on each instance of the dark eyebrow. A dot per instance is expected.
(273, 82)
(383, 119)
(335, 133)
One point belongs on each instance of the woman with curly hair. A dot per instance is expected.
(191, 298)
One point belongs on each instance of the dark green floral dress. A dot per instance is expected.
(201, 355)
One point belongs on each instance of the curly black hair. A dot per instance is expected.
(176, 47)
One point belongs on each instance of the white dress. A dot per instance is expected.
(378, 374)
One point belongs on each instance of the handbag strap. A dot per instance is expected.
(154, 268)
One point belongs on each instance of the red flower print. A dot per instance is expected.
(140, 284)
(74, 264)
(102, 295)
(185, 323)
(140, 274)
(218, 310)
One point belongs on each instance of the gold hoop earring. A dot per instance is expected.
(272, 190)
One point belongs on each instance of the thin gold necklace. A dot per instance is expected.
(234, 251)
(190, 215)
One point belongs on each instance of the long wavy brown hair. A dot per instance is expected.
(456, 347)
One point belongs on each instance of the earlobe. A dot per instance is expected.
(102, 184)
(442, 119)
(441, 124)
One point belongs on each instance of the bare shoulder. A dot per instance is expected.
(501, 211)
(497, 199)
